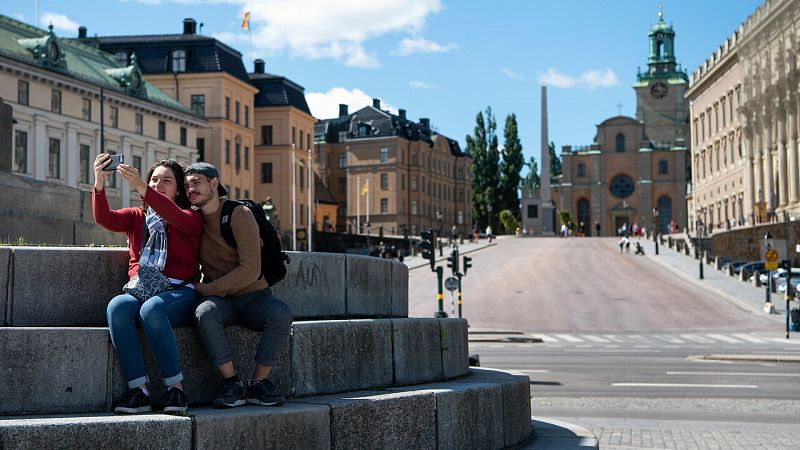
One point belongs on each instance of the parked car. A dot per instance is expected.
(781, 287)
(735, 264)
(751, 267)
(779, 274)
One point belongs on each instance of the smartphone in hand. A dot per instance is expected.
(116, 160)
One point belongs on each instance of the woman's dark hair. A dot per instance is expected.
(177, 170)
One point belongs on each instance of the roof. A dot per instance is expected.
(275, 90)
(76, 60)
(321, 193)
(661, 27)
(203, 54)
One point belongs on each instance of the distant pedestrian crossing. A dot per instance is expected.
(661, 340)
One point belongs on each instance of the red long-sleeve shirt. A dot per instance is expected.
(184, 227)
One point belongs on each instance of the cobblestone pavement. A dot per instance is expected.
(618, 438)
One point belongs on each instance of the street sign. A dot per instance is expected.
(451, 283)
(771, 259)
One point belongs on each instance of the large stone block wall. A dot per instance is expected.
(746, 244)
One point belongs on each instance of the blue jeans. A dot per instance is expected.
(157, 316)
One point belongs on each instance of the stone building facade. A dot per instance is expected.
(636, 170)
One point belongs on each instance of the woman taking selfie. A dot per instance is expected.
(163, 241)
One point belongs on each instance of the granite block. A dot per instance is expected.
(417, 351)
(314, 286)
(368, 282)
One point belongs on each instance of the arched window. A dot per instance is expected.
(620, 142)
(659, 49)
(664, 214)
(584, 215)
(663, 167)
(179, 60)
(122, 57)
(581, 169)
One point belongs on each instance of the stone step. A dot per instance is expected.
(489, 409)
(75, 370)
(71, 286)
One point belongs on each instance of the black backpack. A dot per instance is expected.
(272, 257)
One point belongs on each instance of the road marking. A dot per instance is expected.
(749, 338)
(594, 338)
(684, 385)
(744, 374)
(531, 370)
(667, 338)
(568, 338)
(545, 338)
(622, 350)
(695, 338)
(613, 338)
(723, 338)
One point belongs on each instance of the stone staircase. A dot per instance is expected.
(358, 372)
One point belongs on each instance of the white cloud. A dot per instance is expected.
(60, 22)
(590, 79)
(416, 84)
(511, 74)
(325, 105)
(409, 46)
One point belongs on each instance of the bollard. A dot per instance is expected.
(717, 263)
(730, 270)
(756, 279)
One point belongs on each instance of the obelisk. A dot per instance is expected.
(548, 220)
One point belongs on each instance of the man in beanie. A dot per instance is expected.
(234, 292)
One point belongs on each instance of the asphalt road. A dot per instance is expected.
(578, 285)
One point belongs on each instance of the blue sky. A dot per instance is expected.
(441, 59)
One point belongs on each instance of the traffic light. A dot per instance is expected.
(467, 263)
(428, 246)
(452, 261)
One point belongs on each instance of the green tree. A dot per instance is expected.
(566, 217)
(482, 148)
(555, 161)
(509, 221)
(511, 167)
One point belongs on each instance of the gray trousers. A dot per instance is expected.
(259, 311)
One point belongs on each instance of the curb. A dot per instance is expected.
(748, 358)
(556, 434)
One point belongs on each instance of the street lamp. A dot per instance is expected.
(700, 231)
(767, 248)
(627, 225)
(439, 230)
(655, 228)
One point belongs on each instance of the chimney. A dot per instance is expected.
(81, 32)
(376, 103)
(259, 66)
(342, 109)
(189, 26)
(402, 113)
(425, 122)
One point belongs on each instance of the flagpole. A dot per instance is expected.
(368, 201)
(358, 204)
(310, 185)
(294, 201)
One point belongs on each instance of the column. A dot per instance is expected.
(758, 166)
(40, 156)
(791, 115)
(782, 178)
(766, 135)
(71, 153)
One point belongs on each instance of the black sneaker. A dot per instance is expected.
(175, 401)
(263, 392)
(135, 401)
(230, 395)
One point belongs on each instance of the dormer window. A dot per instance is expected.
(129, 77)
(363, 129)
(45, 48)
(179, 60)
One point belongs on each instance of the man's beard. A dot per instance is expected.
(202, 200)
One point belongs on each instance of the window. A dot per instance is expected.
(363, 129)
(201, 149)
(179, 60)
(402, 182)
(413, 182)
(20, 151)
(266, 172)
(137, 162)
(236, 115)
(342, 160)
(302, 214)
(139, 127)
(384, 205)
(54, 166)
(384, 181)
(237, 157)
(114, 117)
(122, 57)
(227, 151)
(162, 130)
(384, 155)
(246, 116)
(198, 103)
(342, 185)
(55, 102)
(246, 158)
(86, 109)
(246, 193)
(581, 169)
(266, 135)
(238, 193)
(301, 139)
(622, 186)
(294, 132)
(620, 142)
(413, 207)
(301, 171)
(85, 168)
(663, 167)
(533, 211)
(22, 92)
(308, 139)
(183, 136)
(111, 179)
(227, 108)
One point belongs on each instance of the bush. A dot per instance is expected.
(509, 222)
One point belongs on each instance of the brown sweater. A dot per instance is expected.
(227, 270)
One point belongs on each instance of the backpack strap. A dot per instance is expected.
(225, 221)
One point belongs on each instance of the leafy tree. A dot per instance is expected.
(482, 147)
(509, 221)
(555, 161)
(566, 218)
(511, 167)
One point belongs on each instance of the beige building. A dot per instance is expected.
(208, 77)
(56, 86)
(392, 175)
(718, 190)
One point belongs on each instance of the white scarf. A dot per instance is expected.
(154, 252)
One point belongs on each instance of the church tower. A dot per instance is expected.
(660, 90)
